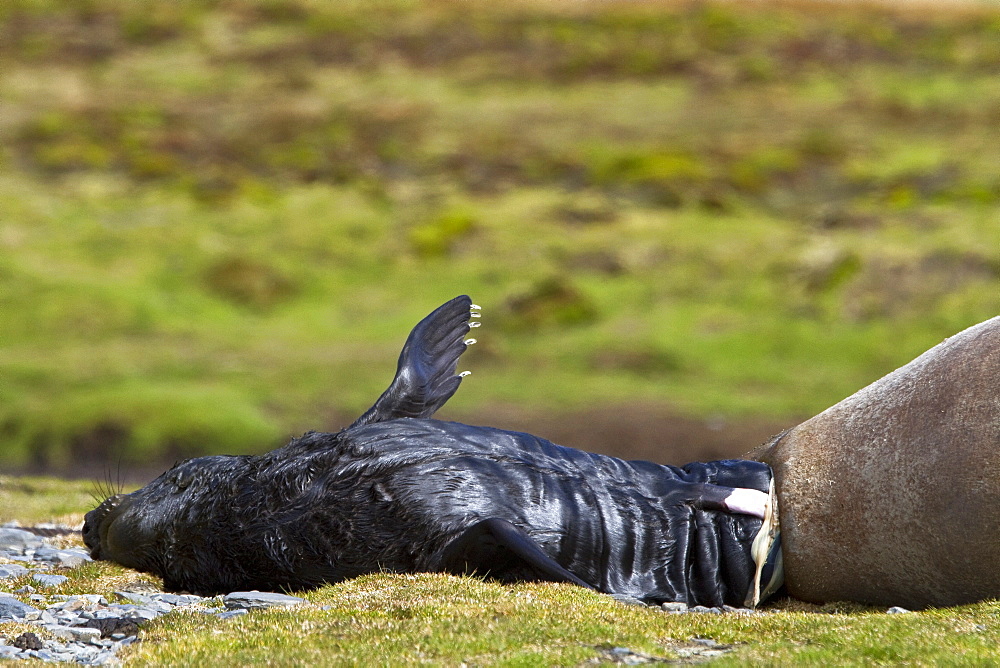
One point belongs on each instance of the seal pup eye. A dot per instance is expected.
(182, 479)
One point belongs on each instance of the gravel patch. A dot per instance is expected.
(88, 629)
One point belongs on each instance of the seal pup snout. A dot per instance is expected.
(95, 521)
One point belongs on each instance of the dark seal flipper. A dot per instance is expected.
(425, 375)
(496, 549)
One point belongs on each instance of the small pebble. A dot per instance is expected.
(116, 627)
(48, 579)
(138, 599)
(27, 640)
(895, 610)
(11, 608)
(12, 571)
(259, 600)
(18, 540)
(628, 600)
(707, 642)
(704, 609)
(77, 633)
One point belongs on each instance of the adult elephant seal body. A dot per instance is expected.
(892, 496)
(399, 492)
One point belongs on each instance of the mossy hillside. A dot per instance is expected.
(220, 220)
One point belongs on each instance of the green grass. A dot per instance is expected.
(386, 619)
(221, 220)
(33, 500)
(443, 620)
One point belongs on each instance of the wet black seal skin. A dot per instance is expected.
(397, 491)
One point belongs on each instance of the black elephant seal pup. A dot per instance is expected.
(397, 491)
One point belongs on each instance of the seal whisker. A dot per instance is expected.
(97, 492)
(119, 483)
(109, 484)
(105, 487)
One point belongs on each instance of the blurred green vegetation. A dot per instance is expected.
(219, 220)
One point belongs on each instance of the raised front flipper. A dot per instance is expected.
(425, 376)
(497, 549)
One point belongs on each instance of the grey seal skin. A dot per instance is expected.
(892, 496)
(399, 492)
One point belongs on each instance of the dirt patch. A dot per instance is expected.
(630, 431)
(639, 431)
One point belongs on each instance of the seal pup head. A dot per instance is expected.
(125, 528)
(166, 527)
